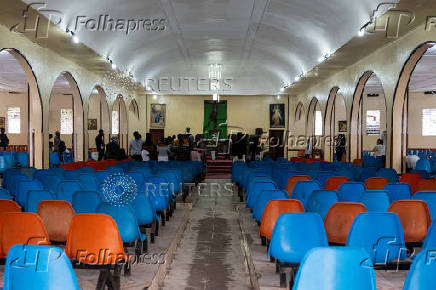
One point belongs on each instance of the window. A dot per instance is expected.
(318, 123)
(66, 121)
(14, 120)
(115, 123)
(373, 122)
(428, 122)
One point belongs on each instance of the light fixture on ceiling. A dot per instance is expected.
(113, 65)
(278, 97)
(215, 97)
(297, 78)
(148, 88)
(282, 90)
(154, 97)
(361, 32)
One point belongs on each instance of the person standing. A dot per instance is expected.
(4, 140)
(340, 147)
(163, 150)
(99, 144)
(379, 151)
(135, 146)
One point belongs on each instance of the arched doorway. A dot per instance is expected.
(21, 106)
(314, 127)
(98, 117)
(368, 115)
(66, 114)
(412, 126)
(119, 122)
(335, 122)
(133, 118)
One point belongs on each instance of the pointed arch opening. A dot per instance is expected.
(119, 122)
(98, 118)
(335, 123)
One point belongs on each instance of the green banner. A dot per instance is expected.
(215, 119)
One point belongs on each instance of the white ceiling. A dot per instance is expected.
(262, 44)
(424, 76)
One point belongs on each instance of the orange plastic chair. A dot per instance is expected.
(412, 179)
(426, 185)
(274, 208)
(415, 219)
(339, 219)
(376, 183)
(7, 205)
(357, 162)
(293, 180)
(21, 228)
(334, 182)
(57, 216)
(94, 239)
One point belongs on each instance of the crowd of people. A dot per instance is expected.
(170, 148)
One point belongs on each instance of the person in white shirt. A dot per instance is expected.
(135, 146)
(379, 150)
(144, 153)
(163, 150)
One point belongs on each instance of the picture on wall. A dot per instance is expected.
(342, 125)
(2, 122)
(277, 115)
(158, 115)
(92, 124)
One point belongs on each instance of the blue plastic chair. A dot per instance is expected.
(101, 175)
(423, 164)
(66, 189)
(89, 182)
(139, 180)
(376, 200)
(33, 267)
(34, 197)
(351, 191)
(323, 176)
(85, 170)
(71, 175)
(85, 201)
(126, 221)
(295, 234)
(23, 189)
(303, 189)
(4, 194)
(398, 191)
(389, 173)
(422, 273)
(59, 171)
(23, 159)
(430, 198)
(320, 201)
(51, 182)
(430, 238)
(157, 190)
(263, 198)
(380, 234)
(144, 211)
(256, 188)
(367, 173)
(339, 268)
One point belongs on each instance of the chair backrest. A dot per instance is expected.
(426, 185)
(295, 234)
(351, 191)
(423, 164)
(376, 183)
(34, 197)
(7, 205)
(398, 191)
(320, 201)
(71, 175)
(4, 194)
(303, 189)
(256, 189)
(85, 201)
(430, 198)
(89, 182)
(334, 182)
(83, 243)
(390, 173)
(430, 238)
(125, 218)
(24, 187)
(415, 219)
(293, 180)
(263, 198)
(352, 269)
(412, 179)
(56, 215)
(66, 189)
(143, 207)
(422, 273)
(51, 269)
(274, 208)
(380, 234)
(323, 176)
(21, 228)
(376, 200)
(139, 180)
(339, 219)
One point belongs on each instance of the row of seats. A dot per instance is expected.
(59, 201)
(378, 216)
(10, 159)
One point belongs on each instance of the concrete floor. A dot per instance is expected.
(210, 254)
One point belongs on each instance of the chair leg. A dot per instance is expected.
(291, 278)
(167, 215)
(115, 278)
(277, 266)
(263, 240)
(156, 232)
(145, 246)
(162, 217)
(102, 278)
(283, 283)
(138, 247)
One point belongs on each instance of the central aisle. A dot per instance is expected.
(210, 255)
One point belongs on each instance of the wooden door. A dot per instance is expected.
(276, 143)
(156, 135)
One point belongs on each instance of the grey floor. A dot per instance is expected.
(210, 254)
